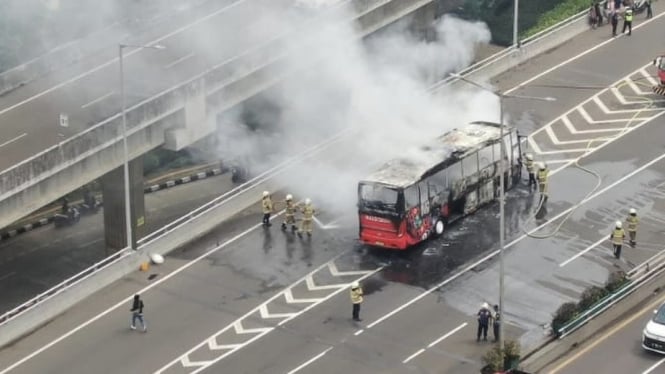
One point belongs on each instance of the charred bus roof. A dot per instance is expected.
(452, 146)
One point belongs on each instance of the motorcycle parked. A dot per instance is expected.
(69, 218)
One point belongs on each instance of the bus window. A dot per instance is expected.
(454, 172)
(411, 197)
(376, 196)
(508, 147)
(485, 157)
(438, 181)
(497, 151)
(470, 168)
(424, 198)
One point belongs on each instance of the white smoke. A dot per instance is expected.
(378, 88)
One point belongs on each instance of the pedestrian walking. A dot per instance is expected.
(617, 237)
(632, 226)
(599, 13)
(137, 314)
(484, 316)
(266, 204)
(628, 21)
(615, 22)
(496, 322)
(356, 300)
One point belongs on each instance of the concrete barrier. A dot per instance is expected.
(200, 221)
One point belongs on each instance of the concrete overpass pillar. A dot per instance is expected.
(423, 21)
(113, 190)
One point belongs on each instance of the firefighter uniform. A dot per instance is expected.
(617, 237)
(632, 221)
(543, 175)
(530, 168)
(628, 21)
(290, 214)
(356, 300)
(307, 218)
(266, 204)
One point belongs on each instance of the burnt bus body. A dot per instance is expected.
(410, 200)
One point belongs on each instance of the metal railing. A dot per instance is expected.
(63, 286)
(636, 277)
(174, 225)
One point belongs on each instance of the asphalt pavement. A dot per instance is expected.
(29, 116)
(248, 300)
(34, 262)
(622, 343)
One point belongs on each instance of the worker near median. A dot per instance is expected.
(484, 317)
(628, 21)
(543, 176)
(307, 218)
(617, 237)
(632, 221)
(530, 168)
(356, 300)
(266, 204)
(496, 322)
(290, 214)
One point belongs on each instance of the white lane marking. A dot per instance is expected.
(446, 336)
(359, 332)
(437, 341)
(569, 125)
(524, 236)
(581, 253)
(648, 77)
(128, 299)
(556, 141)
(654, 366)
(421, 350)
(97, 100)
(260, 332)
(181, 59)
(588, 118)
(132, 52)
(10, 141)
(559, 161)
(635, 88)
(573, 58)
(310, 361)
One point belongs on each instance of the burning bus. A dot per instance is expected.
(411, 199)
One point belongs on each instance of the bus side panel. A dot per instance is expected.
(382, 232)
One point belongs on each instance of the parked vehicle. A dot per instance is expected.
(653, 335)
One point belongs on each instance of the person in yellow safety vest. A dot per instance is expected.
(290, 214)
(530, 168)
(632, 226)
(628, 21)
(266, 204)
(617, 237)
(307, 217)
(356, 300)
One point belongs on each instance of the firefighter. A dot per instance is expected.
(543, 174)
(617, 237)
(307, 217)
(628, 21)
(356, 300)
(530, 169)
(290, 214)
(632, 221)
(266, 203)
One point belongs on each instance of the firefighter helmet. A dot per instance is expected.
(289, 197)
(618, 224)
(266, 193)
(541, 165)
(355, 284)
(633, 211)
(308, 201)
(529, 156)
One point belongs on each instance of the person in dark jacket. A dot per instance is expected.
(484, 316)
(137, 313)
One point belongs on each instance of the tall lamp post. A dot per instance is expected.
(128, 215)
(502, 196)
(515, 24)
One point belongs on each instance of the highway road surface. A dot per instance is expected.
(618, 349)
(30, 115)
(251, 300)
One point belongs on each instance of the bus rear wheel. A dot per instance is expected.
(439, 227)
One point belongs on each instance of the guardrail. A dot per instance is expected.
(636, 277)
(68, 283)
(145, 242)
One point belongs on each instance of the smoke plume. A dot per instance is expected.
(377, 88)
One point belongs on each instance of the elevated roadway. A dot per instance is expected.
(173, 97)
(249, 300)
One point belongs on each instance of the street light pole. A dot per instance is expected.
(128, 214)
(502, 188)
(515, 23)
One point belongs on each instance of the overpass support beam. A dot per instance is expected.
(113, 189)
(423, 21)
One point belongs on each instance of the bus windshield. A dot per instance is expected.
(378, 197)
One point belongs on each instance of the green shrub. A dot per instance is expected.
(494, 361)
(562, 11)
(564, 314)
(591, 296)
(615, 280)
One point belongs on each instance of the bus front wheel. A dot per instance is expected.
(439, 226)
